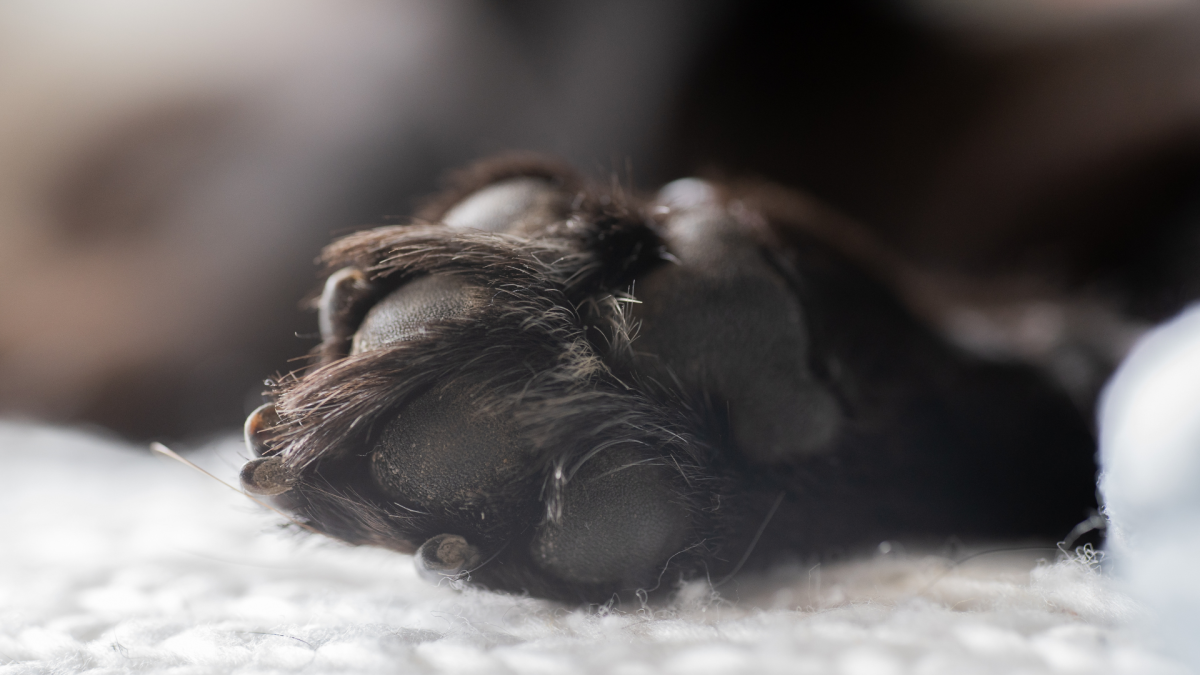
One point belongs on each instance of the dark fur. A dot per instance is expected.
(937, 443)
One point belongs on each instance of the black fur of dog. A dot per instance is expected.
(555, 388)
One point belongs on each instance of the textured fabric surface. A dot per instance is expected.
(118, 561)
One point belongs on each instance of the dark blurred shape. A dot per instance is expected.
(168, 172)
(968, 143)
(1039, 160)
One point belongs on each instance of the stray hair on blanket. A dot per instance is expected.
(163, 450)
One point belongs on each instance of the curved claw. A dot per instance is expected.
(267, 476)
(339, 290)
(445, 555)
(264, 417)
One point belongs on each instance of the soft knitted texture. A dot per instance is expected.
(119, 561)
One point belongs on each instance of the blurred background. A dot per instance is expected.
(169, 171)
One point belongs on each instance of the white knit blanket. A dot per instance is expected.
(118, 561)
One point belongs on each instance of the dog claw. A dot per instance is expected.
(335, 297)
(445, 555)
(267, 476)
(264, 417)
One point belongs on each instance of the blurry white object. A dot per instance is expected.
(1150, 451)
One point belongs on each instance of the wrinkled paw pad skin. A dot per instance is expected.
(540, 386)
